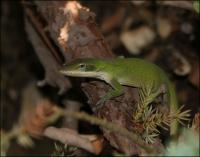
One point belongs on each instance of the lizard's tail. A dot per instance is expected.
(173, 108)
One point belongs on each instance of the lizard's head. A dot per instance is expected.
(87, 67)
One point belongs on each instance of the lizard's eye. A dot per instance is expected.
(82, 67)
(86, 67)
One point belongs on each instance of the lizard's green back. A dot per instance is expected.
(136, 72)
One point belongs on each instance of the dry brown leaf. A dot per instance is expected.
(194, 76)
(137, 39)
(196, 122)
(113, 21)
(164, 27)
(36, 122)
(98, 144)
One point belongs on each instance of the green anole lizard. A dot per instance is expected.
(126, 71)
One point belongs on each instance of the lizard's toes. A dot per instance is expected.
(99, 104)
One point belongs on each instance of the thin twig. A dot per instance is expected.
(110, 126)
(184, 4)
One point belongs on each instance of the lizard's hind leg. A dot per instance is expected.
(148, 95)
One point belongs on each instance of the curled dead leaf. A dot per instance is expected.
(185, 66)
(179, 63)
(137, 39)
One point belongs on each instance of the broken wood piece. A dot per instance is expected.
(194, 76)
(71, 106)
(50, 64)
(68, 136)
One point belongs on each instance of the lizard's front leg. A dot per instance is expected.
(116, 91)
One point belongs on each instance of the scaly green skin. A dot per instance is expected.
(126, 71)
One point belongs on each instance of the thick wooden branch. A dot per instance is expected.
(73, 28)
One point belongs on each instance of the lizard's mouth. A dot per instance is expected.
(68, 73)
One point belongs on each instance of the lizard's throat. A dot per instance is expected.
(80, 74)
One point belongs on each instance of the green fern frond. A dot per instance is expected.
(180, 115)
(151, 117)
(150, 138)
